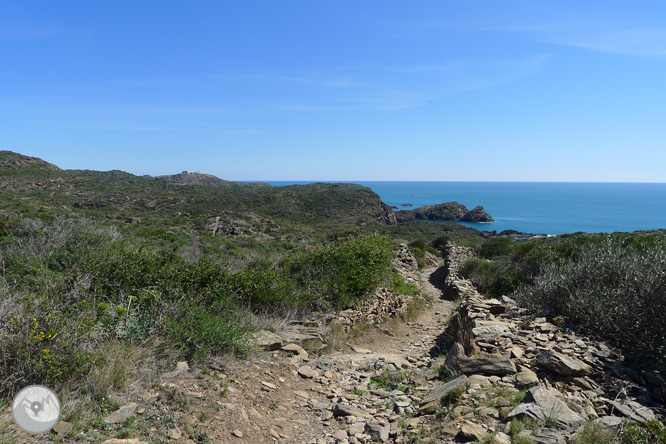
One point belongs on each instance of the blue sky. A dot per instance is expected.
(344, 90)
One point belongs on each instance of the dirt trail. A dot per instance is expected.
(332, 399)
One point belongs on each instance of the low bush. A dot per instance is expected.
(492, 278)
(418, 248)
(337, 274)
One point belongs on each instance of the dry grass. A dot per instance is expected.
(122, 371)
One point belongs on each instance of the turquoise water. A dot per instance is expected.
(548, 208)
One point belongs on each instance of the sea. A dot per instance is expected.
(538, 207)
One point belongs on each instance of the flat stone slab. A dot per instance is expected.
(266, 339)
(297, 349)
(306, 371)
(122, 414)
(348, 410)
(471, 432)
(442, 390)
(487, 365)
(634, 411)
(543, 404)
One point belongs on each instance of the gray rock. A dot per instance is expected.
(377, 431)
(348, 410)
(455, 353)
(340, 435)
(487, 365)
(122, 414)
(471, 432)
(62, 428)
(358, 427)
(609, 421)
(490, 412)
(563, 365)
(543, 436)
(266, 339)
(654, 379)
(306, 371)
(633, 411)
(526, 378)
(544, 405)
(442, 390)
(316, 405)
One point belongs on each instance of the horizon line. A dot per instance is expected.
(449, 181)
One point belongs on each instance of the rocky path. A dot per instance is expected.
(368, 393)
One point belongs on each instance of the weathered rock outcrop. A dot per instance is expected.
(203, 179)
(448, 211)
(16, 160)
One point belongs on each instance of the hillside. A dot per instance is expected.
(32, 187)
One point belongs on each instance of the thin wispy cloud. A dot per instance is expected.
(412, 86)
(328, 80)
(636, 42)
(595, 35)
(561, 26)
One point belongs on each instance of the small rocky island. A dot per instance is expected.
(448, 211)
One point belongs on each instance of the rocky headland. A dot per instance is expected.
(448, 211)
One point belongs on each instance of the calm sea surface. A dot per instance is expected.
(549, 208)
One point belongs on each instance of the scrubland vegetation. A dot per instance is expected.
(72, 285)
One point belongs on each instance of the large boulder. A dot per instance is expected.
(563, 365)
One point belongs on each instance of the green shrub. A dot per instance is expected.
(595, 433)
(397, 284)
(499, 246)
(453, 396)
(339, 273)
(419, 248)
(651, 432)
